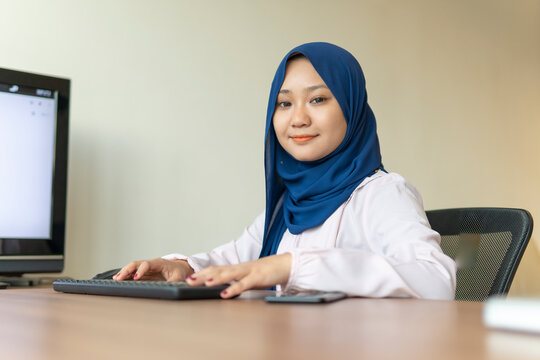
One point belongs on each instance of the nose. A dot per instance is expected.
(300, 117)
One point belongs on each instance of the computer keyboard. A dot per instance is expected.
(139, 288)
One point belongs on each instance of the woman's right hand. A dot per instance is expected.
(155, 269)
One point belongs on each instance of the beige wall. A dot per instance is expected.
(169, 100)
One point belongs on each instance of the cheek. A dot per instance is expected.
(279, 125)
(340, 122)
(338, 128)
(343, 130)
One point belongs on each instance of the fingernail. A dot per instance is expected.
(210, 280)
(224, 292)
(191, 278)
(135, 276)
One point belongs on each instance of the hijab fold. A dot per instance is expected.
(313, 190)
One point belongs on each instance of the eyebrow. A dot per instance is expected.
(308, 89)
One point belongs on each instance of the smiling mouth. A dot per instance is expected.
(302, 138)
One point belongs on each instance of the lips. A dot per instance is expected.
(302, 138)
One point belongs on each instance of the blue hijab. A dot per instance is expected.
(313, 190)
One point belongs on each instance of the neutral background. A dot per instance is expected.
(169, 99)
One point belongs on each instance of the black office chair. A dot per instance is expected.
(487, 244)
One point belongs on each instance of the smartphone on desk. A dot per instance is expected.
(306, 297)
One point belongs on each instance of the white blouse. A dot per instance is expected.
(377, 244)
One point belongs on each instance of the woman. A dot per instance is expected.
(334, 219)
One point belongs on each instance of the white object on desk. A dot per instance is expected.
(520, 314)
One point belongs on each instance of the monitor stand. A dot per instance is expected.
(20, 281)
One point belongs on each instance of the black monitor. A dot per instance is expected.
(34, 113)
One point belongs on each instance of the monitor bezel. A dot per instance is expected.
(40, 259)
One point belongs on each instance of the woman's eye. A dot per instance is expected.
(318, 100)
(283, 104)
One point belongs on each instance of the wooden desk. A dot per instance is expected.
(38, 323)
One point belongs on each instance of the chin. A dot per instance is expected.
(305, 157)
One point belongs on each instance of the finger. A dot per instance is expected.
(212, 276)
(238, 287)
(127, 271)
(141, 270)
(203, 276)
(225, 274)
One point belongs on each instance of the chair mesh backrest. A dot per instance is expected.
(487, 245)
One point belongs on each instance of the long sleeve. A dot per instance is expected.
(377, 244)
(384, 248)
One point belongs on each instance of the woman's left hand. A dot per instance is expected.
(259, 274)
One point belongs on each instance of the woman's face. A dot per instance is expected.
(308, 120)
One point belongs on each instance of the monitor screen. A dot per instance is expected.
(33, 167)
